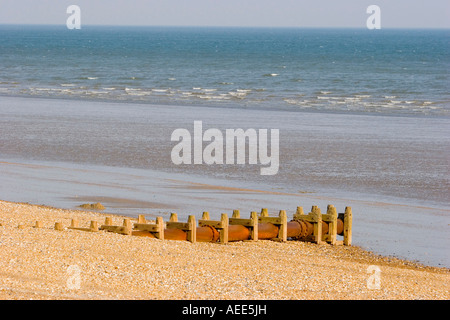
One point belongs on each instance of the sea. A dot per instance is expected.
(363, 115)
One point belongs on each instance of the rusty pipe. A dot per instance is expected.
(207, 234)
(175, 234)
(294, 229)
(340, 227)
(140, 233)
(267, 230)
(169, 234)
(238, 233)
(324, 227)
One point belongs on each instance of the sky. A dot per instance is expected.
(245, 13)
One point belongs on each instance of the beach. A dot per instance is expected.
(36, 263)
(141, 120)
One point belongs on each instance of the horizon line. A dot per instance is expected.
(223, 26)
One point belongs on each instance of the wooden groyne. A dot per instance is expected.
(331, 227)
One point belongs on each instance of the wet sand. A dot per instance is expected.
(42, 263)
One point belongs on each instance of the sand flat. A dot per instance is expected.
(39, 263)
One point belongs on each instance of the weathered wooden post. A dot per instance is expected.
(141, 219)
(348, 226)
(74, 223)
(108, 221)
(192, 228)
(331, 219)
(173, 217)
(264, 212)
(93, 226)
(223, 233)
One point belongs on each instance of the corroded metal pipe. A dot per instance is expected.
(207, 234)
(294, 229)
(143, 234)
(175, 234)
(340, 227)
(267, 231)
(238, 233)
(324, 227)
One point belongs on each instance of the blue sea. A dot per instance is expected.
(327, 70)
(363, 116)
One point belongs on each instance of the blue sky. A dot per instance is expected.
(268, 13)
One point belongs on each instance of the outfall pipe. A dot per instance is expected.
(175, 234)
(238, 233)
(267, 230)
(324, 227)
(140, 233)
(294, 229)
(340, 227)
(207, 234)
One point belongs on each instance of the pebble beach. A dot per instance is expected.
(46, 264)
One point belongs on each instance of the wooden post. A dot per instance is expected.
(205, 215)
(191, 232)
(141, 219)
(108, 221)
(299, 213)
(74, 223)
(223, 233)
(94, 226)
(348, 226)
(254, 225)
(160, 228)
(264, 212)
(38, 224)
(282, 231)
(331, 219)
(58, 226)
(236, 214)
(173, 217)
(127, 223)
(317, 218)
